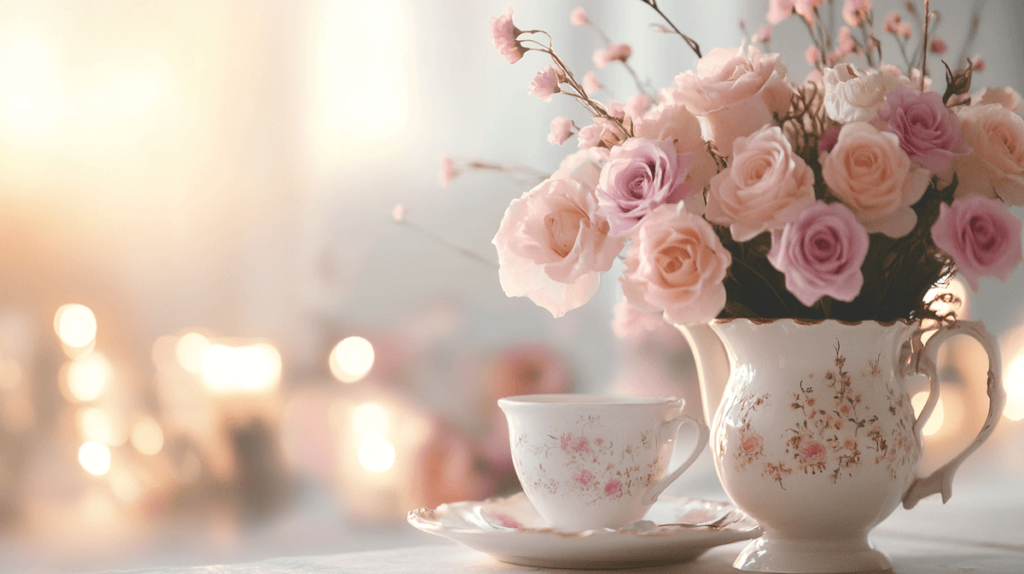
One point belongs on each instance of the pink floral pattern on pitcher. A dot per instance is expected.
(836, 431)
(600, 470)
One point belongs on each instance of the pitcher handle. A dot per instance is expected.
(924, 362)
(652, 494)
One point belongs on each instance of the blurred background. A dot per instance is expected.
(217, 343)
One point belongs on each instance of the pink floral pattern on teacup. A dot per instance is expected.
(599, 468)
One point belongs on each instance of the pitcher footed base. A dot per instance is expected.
(768, 554)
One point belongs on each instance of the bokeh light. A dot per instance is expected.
(147, 437)
(75, 325)
(351, 359)
(935, 421)
(87, 377)
(370, 419)
(97, 425)
(190, 350)
(94, 458)
(1013, 382)
(252, 368)
(376, 454)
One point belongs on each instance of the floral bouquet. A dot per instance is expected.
(737, 192)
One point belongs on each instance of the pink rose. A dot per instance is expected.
(765, 186)
(996, 168)
(874, 177)
(612, 487)
(580, 444)
(583, 166)
(981, 235)
(504, 34)
(561, 129)
(734, 95)
(928, 131)
(674, 122)
(1006, 97)
(855, 11)
(854, 95)
(821, 253)
(813, 451)
(552, 246)
(565, 440)
(578, 17)
(545, 83)
(676, 264)
(640, 175)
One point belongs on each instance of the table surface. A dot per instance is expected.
(981, 531)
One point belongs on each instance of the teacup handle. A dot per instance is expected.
(652, 494)
(924, 362)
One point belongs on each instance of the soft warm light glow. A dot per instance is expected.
(125, 487)
(75, 325)
(190, 350)
(252, 368)
(370, 419)
(87, 377)
(10, 375)
(1013, 382)
(94, 458)
(376, 454)
(351, 359)
(935, 421)
(146, 436)
(30, 86)
(97, 425)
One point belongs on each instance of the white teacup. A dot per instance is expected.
(589, 462)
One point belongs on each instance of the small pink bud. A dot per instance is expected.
(812, 55)
(578, 17)
(545, 83)
(447, 172)
(764, 34)
(590, 83)
(938, 46)
(905, 30)
(398, 213)
(561, 129)
(892, 22)
(978, 63)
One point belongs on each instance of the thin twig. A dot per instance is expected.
(924, 44)
(689, 41)
(444, 242)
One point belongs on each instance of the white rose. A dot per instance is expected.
(853, 95)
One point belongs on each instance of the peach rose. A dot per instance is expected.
(552, 246)
(765, 187)
(1006, 97)
(869, 172)
(734, 94)
(751, 444)
(996, 168)
(676, 264)
(854, 95)
(673, 121)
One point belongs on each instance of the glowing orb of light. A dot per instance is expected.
(376, 454)
(935, 421)
(351, 359)
(75, 325)
(87, 377)
(370, 419)
(146, 436)
(1013, 382)
(94, 458)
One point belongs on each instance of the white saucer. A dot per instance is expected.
(511, 530)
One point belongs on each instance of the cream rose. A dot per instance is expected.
(734, 94)
(996, 168)
(854, 95)
(673, 121)
(869, 172)
(552, 246)
(676, 264)
(765, 187)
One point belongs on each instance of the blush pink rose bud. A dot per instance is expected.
(734, 94)
(545, 83)
(677, 264)
(504, 34)
(938, 46)
(821, 254)
(869, 172)
(616, 51)
(996, 168)
(981, 235)
(978, 63)
(552, 246)
(928, 131)
(765, 186)
(578, 17)
(640, 175)
(561, 129)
